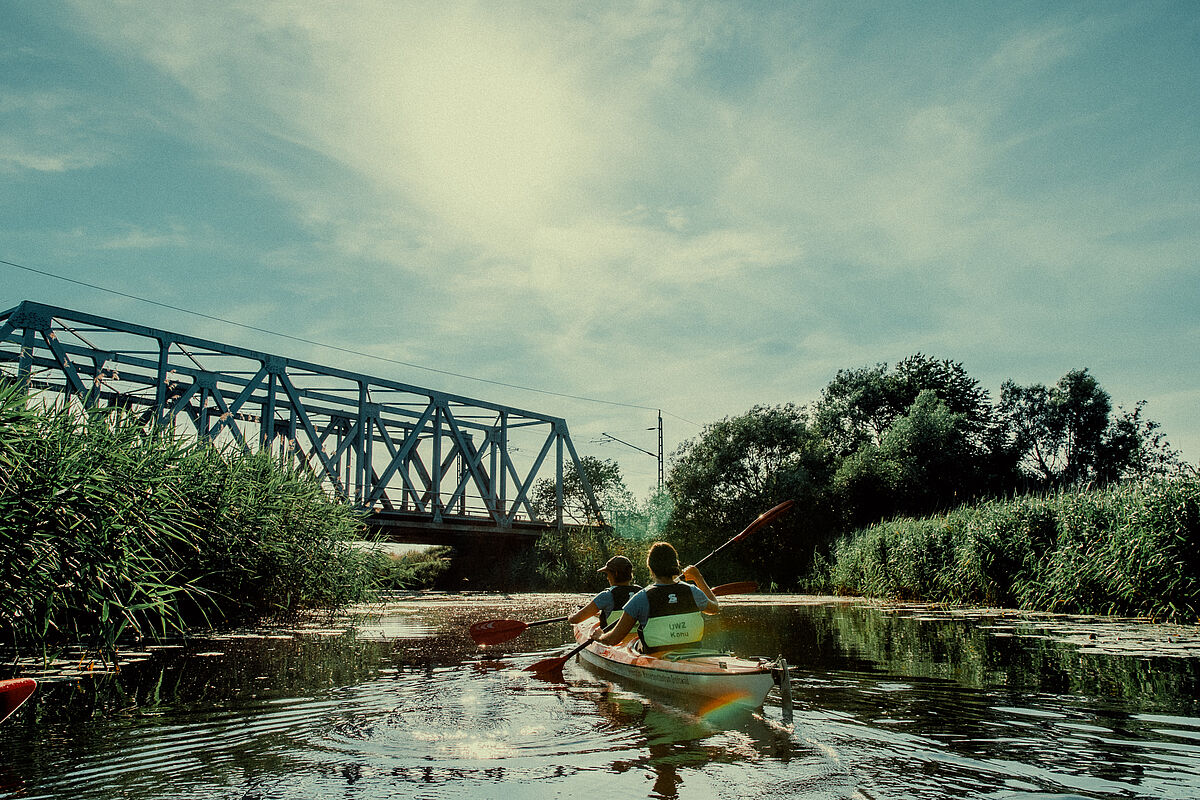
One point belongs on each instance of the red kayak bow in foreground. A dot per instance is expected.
(13, 693)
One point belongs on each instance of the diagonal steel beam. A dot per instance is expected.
(302, 416)
(401, 456)
(523, 495)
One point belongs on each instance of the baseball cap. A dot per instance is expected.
(620, 567)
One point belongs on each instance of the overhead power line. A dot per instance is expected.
(335, 347)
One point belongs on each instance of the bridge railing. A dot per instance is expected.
(381, 444)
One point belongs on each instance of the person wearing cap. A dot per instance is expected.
(608, 604)
(669, 614)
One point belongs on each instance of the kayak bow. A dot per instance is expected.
(13, 693)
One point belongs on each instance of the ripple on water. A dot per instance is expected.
(471, 719)
(399, 711)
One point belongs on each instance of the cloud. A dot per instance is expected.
(51, 132)
(136, 238)
(637, 197)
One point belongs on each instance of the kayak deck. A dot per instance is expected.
(697, 673)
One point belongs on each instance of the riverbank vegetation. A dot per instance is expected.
(412, 570)
(1128, 549)
(111, 529)
(911, 482)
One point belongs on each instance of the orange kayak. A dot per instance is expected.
(704, 675)
(13, 693)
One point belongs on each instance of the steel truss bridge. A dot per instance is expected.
(426, 466)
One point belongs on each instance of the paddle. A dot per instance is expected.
(769, 515)
(556, 663)
(495, 631)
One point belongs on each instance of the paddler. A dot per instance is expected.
(669, 613)
(608, 603)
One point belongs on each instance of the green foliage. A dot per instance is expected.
(923, 460)
(1066, 435)
(409, 571)
(1058, 429)
(916, 439)
(646, 521)
(567, 560)
(738, 468)
(1135, 447)
(1132, 549)
(606, 484)
(859, 406)
(111, 530)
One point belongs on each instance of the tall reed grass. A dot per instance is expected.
(111, 530)
(409, 571)
(1130, 549)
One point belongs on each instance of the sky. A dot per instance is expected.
(599, 210)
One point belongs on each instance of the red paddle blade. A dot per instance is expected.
(740, 587)
(548, 665)
(13, 693)
(767, 516)
(551, 665)
(494, 631)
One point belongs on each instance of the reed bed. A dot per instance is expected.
(409, 571)
(1130, 549)
(111, 530)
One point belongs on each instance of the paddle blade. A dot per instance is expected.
(495, 631)
(13, 693)
(548, 666)
(767, 516)
(739, 587)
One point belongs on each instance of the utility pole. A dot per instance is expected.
(643, 450)
(660, 450)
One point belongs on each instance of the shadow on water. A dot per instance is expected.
(889, 703)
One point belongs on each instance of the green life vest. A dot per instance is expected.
(674, 618)
(620, 595)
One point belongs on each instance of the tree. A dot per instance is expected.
(855, 409)
(860, 405)
(924, 461)
(1135, 447)
(741, 466)
(608, 487)
(949, 382)
(934, 459)
(1058, 431)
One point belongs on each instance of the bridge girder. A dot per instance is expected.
(383, 445)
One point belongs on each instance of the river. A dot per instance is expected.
(398, 702)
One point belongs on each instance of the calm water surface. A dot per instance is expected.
(889, 703)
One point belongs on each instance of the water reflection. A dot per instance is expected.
(890, 703)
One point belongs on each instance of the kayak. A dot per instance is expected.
(13, 693)
(704, 675)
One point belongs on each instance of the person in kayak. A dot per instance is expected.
(608, 604)
(669, 614)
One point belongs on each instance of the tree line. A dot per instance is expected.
(912, 439)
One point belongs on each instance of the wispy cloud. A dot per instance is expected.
(48, 131)
(745, 197)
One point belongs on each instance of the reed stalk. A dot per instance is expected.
(112, 531)
(1130, 549)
